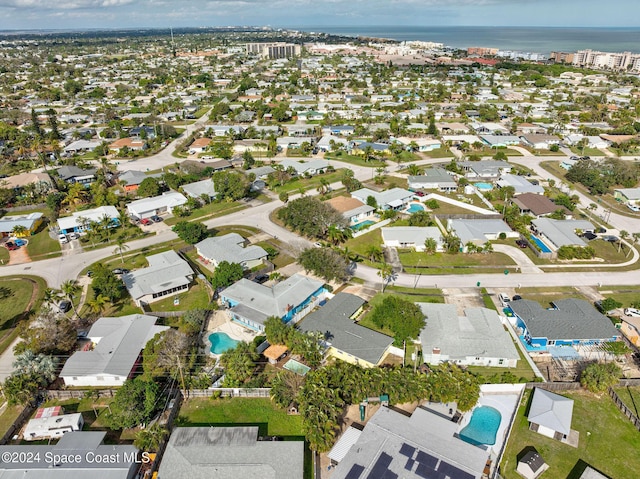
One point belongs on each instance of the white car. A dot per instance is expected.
(633, 312)
(63, 238)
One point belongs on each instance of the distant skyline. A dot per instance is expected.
(108, 14)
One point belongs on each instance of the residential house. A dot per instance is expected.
(627, 195)
(21, 183)
(328, 142)
(52, 427)
(479, 231)
(423, 445)
(191, 166)
(539, 141)
(293, 142)
(167, 275)
(339, 130)
(520, 184)
(500, 141)
(261, 172)
(550, 414)
(453, 128)
(164, 203)
(230, 452)
(250, 304)
(476, 339)
(79, 221)
(230, 248)
(485, 169)
(199, 145)
(531, 465)
(422, 144)
(489, 128)
(538, 205)
(457, 140)
(630, 327)
(80, 146)
(352, 209)
(571, 322)
(131, 179)
(411, 237)
(393, 199)
(224, 130)
(73, 174)
(132, 144)
(358, 148)
(87, 446)
(342, 336)
(199, 188)
(559, 233)
(311, 168)
(433, 179)
(116, 345)
(142, 132)
(530, 129)
(30, 222)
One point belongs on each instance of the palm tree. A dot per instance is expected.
(414, 170)
(40, 365)
(98, 303)
(471, 247)
(430, 246)
(374, 253)
(367, 153)
(105, 224)
(149, 439)
(70, 288)
(121, 247)
(123, 218)
(387, 274)
(51, 295)
(624, 234)
(19, 230)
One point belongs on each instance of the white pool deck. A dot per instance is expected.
(235, 331)
(504, 398)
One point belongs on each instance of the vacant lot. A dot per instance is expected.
(608, 441)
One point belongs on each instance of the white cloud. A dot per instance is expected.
(64, 5)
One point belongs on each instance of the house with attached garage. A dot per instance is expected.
(479, 231)
(539, 141)
(485, 169)
(627, 195)
(519, 183)
(559, 233)
(345, 339)
(197, 189)
(79, 221)
(250, 304)
(571, 322)
(476, 339)
(411, 237)
(310, 168)
(167, 275)
(352, 209)
(393, 199)
(538, 205)
(231, 248)
(433, 179)
(148, 207)
(114, 349)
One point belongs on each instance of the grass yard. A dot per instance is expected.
(282, 259)
(197, 297)
(15, 295)
(545, 295)
(630, 396)
(8, 417)
(546, 152)
(611, 447)
(271, 420)
(353, 159)
(360, 244)
(208, 211)
(625, 294)
(443, 263)
(42, 246)
(438, 153)
(522, 370)
(587, 151)
(308, 183)
(4, 255)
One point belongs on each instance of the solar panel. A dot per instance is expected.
(425, 471)
(355, 471)
(407, 450)
(409, 465)
(453, 472)
(390, 475)
(380, 467)
(427, 459)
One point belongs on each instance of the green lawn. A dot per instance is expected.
(587, 151)
(308, 183)
(282, 259)
(208, 211)
(197, 297)
(4, 255)
(625, 294)
(360, 244)
(443, 152)
(545, 295)
(272, 421)
(8, 417)
(42, 246)
(630, 397)
(353, 159)
(440, 263)
(14, 298)
(611, 447)
(88, 408)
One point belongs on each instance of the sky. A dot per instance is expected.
(83, 14)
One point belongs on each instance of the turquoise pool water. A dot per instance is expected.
(483, 186)
(221, 342)
(362, 225)
(296, 367)
(482, 427)
(415, 207)
(543, 247)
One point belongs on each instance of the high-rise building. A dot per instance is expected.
(561, 57)
(274, 50)
(607, 60)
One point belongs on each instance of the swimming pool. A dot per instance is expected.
(415, 207)
(483, 186)
(483, 426)
(296, 367)
(362, 225)
(221, 342)
(543, 247)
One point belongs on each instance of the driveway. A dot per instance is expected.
(19, 256)
(517, 255)
(463, 298)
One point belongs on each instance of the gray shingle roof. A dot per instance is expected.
(229, 453)
(166, 270)
(119, 342)
(199, 188)
(433, 175)
(478, 333)
(477, 230)
(411, 234)
(551, 410)
(573, 319)
(333, 320)
(382, 197)
(562, 232)
(67, 172)
(229, 247)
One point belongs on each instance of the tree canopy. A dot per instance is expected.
(598, 377)
(226, 274)
(190, 232)
(311, 217)
(402, 317)
(104, 282)
(134, 403)
(149, 187)
(230, 185)
(325, 262)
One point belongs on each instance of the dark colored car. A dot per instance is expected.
(120, 271)
(516, 297)
(601, 230)
(522, 243)
(261, 278)
(145, 221)
(590, 236)
(611, 238)
(11, 246)
(64, 306)
(156, 219)
(420, 194)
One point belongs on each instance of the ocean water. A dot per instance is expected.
(526, 39)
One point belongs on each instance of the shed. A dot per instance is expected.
(531, 465)
(274, 352)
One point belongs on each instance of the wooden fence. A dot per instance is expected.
(64, 394)
(625, 410)
(176, 401)
(17, 424)
(554, 386)
(227, 392)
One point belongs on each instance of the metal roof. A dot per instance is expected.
(229, 247)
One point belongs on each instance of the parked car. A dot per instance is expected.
(156, 219)
(633, 207)
(633, 312)
(611, 238)
(64, 306)
(120, 271)
(261, 278)
(11, 246)
(504, 299)
(63, 238)
(420, 193)
(145, 221)
(516, 297)
(574, 158)
(522, 243)
(74, 236)
(601, 230)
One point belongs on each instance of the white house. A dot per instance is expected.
(79, 220)
(52, 427)
(312, 167)
(230, 248)
(479, 231)
(395, 198)
(433, 179)
(147, 207)
(167, 275)
(520, 184)
(550, 414)
(411, 237)
(352, 209)
(116, 347)
(199, 188)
